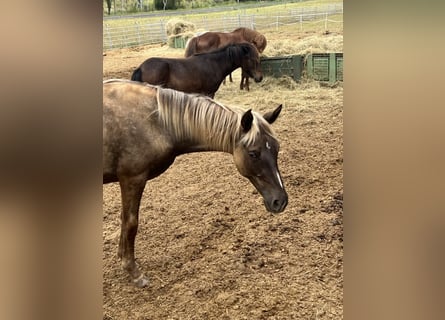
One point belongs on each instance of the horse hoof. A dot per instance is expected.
(141, 281)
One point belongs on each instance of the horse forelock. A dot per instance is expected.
(194, 117)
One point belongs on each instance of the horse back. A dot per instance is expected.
(155, 71)
(206, 42)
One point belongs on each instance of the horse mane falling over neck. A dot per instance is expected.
(199, 119)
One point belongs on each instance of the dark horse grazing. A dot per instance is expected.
(200, 73)
(145, 127)
(210, 41)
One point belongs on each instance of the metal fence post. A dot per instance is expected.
(138, 32)
(110, 40)
(125, 43)
(164, 33)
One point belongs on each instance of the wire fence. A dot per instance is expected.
(138, 33)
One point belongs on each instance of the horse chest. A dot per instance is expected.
(160, 165)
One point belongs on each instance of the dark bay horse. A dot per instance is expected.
(201, 73)
(145, 127)
(210, 41)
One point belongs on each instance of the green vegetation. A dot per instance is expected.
(230, 12)
(137, 7)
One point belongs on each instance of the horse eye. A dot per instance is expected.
(254, 154)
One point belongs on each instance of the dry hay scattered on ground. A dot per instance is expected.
(279, 43)
(311, 44)
(205, 239)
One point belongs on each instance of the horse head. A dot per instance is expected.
(260, 42)
(255, 157)
(251, 62)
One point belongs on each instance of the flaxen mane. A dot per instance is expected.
(189, 116)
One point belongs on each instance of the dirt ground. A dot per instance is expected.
(205, 239)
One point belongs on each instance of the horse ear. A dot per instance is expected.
(273, 115)
(246, 120)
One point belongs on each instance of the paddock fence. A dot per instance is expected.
(136, 33)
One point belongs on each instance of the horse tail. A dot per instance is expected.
(190, 47)
(137, 75)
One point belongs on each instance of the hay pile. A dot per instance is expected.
(179, 29)
(312, 44)
(176, 27)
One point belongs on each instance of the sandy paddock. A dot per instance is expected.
(205, 240)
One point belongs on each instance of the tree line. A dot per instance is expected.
(130, 6)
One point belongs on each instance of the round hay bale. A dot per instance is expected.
(176, 27)
(179, 40)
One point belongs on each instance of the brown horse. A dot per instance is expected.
(145, 127)
(200, 73)
(210, 41)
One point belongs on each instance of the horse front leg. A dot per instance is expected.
(230, 78)
(244, 81)
(131, 191)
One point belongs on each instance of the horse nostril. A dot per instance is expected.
(278, 205)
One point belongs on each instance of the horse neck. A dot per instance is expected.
(234, 61)
(198, 123)
(246, 35)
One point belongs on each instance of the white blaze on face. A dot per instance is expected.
(278, 175)
(279, 180)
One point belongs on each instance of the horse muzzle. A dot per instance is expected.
(276, 204)
(258, 78)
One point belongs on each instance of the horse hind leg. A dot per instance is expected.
(131, 191)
